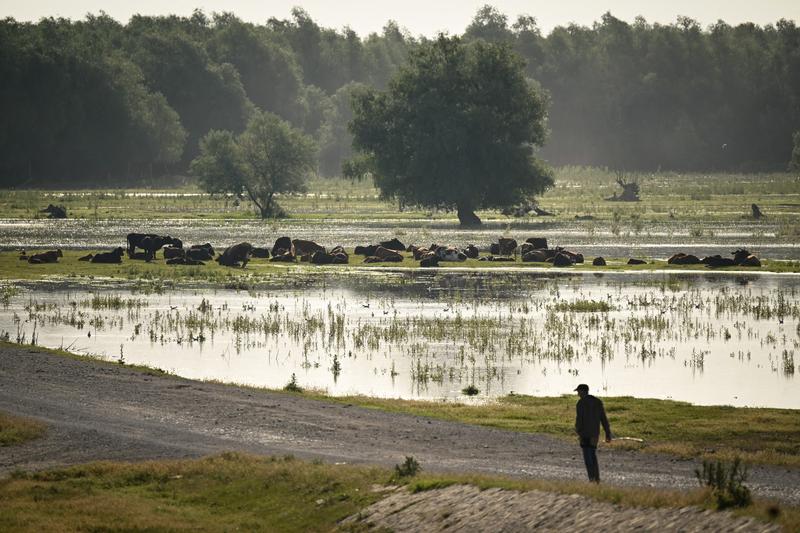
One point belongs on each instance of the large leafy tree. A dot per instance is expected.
(456, 129)
(268, 158)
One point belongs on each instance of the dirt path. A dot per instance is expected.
(100, 411)
(466, 508)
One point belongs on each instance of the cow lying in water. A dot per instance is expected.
(114, 256)
(50, 256)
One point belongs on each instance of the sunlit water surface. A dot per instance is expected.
(706, 339)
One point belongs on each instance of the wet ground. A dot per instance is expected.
(710, 338)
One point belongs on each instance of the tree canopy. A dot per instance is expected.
(455, 129)
(99, 102)
(270, 157)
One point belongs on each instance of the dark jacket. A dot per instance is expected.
(589, 414)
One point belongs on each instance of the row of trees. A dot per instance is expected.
(102, 102)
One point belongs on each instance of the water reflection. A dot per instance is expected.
(704, 338)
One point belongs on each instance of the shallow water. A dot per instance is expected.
(706, 339)
(656, 240)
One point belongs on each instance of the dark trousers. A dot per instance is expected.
(590, 458)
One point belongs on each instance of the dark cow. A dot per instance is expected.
(537, 242)
(386, 254)
(340, 257)
(87, 257)
(50, 256)
(321, 258)
(471, 251)
(366, 250)
(233, 255)
(506, 246)
(303, 247)
(393, 244)
(681, 258)
(750, 261)
(282, 257)
(429, 261)
(535, 256)
(171, 252)
(184, 261)
(634, 261)
(599, 261)
(55, 211)
(281, 246)
(261, 253)
(562, 260)
(200, 252)
(494, 248)
(112, 257)
(135, 239)
(150, 243)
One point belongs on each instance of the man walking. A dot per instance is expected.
(589, 415)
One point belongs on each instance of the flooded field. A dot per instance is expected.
(655, 240)
(702, 338)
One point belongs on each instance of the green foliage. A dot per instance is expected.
(408, 468)
(269, 157)
(470, 390)
(726, 481)
(95, 100)
(292, 386)
(455, 129)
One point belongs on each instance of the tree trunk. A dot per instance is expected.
(467, 217)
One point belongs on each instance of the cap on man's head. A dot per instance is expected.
(582, 387)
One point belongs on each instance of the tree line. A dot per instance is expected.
(97, 102)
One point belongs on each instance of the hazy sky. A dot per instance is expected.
(422, 16)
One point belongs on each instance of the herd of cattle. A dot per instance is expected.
(143, 246)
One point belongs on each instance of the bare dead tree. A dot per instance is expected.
(630, 190)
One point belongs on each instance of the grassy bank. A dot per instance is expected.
(16, 430)
(767, 436)
(11, 268)
(240, 492)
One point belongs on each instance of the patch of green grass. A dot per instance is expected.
(228, 492)
(768, 436)
(16, 430)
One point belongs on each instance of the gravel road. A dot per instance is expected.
(466, 508)
(97, 411)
